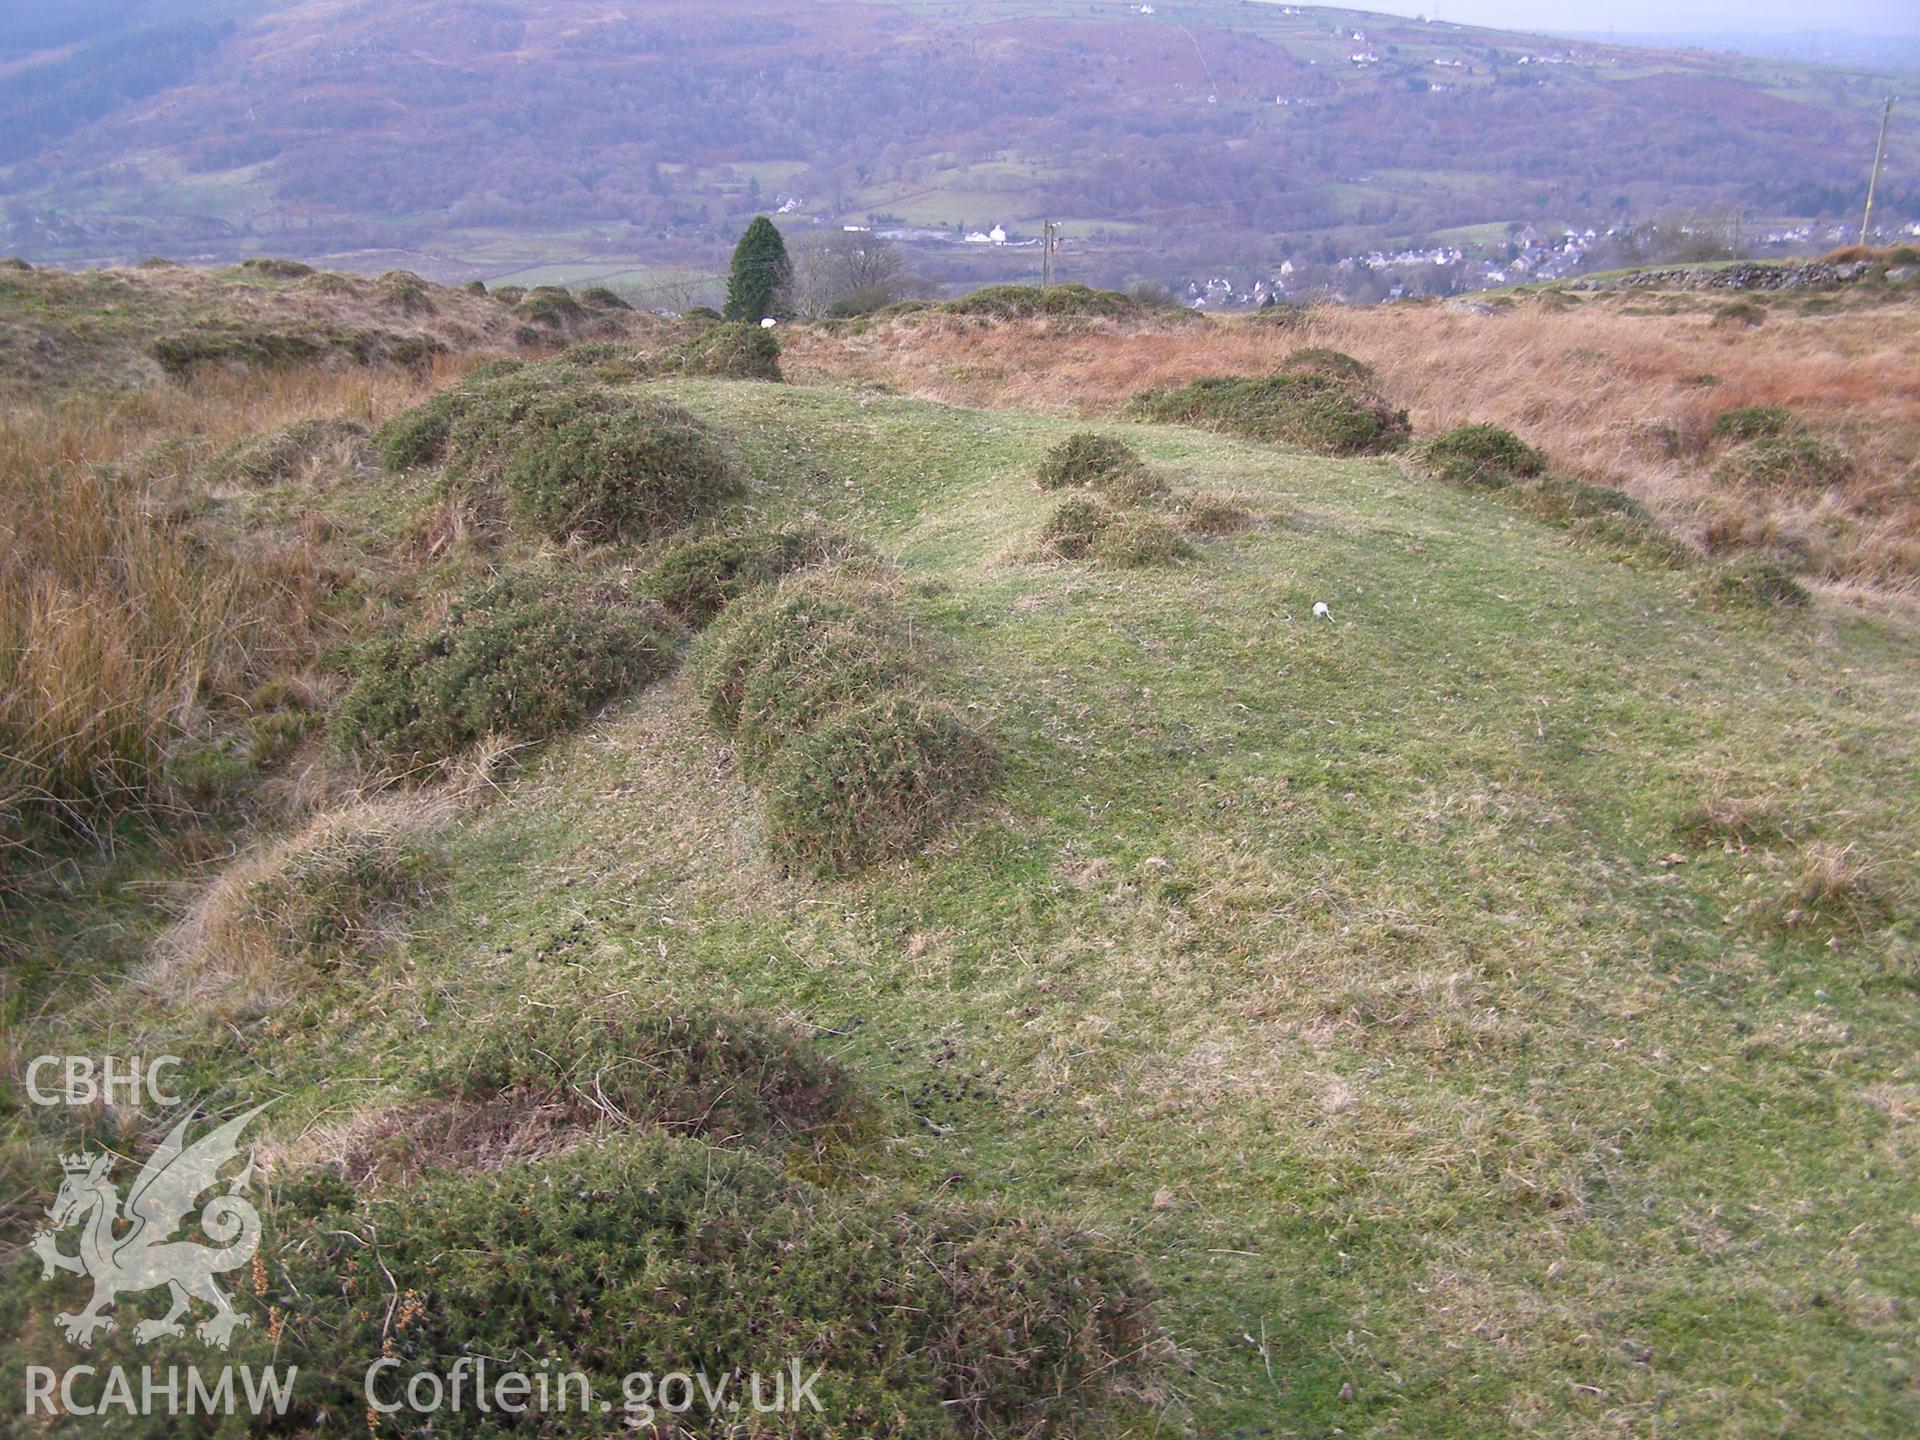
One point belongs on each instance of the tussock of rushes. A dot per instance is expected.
(278, 920)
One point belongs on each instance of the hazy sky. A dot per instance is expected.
(1865, 17)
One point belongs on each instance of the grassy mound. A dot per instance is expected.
(1108, 465)
(736, 350)
(1212, 515)
(1278, 315)
(1488, 458)
(546, 1080)
(1751, 422)
(1753, 583)
(872, 783)
(1020, 302)
(419, 436)
(1317, 411)
(276, 269)
(1074, 526)
(1744, 313)
(923, 1319)
(406, 292)
(549, 305)
(271, 458)
(1136, 542)
(774, 668)
(507, 660)
(1478, 456)
(583, 461)
(697, 579)
(1334, 364)
(611, 362)
(786, 674)
(182, 353)
(601, 298)
(1607, 519)
(341, 890)
(1780, 462)
(329, 896)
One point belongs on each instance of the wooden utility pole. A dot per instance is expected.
(1046, 253)
(1879, 158)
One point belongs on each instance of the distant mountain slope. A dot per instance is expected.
(1207, 130)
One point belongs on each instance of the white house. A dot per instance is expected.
(997, 235)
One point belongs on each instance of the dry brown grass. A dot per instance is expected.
(1609, 391)
(121, 618)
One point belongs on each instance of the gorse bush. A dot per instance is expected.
(1019, 302)
(784, 671)
(583, 461)
(508, 660)
(697, 579)
(1479, 456)
(872, 783)
(1309, 408)
(1089, 459)
(1793, 461)
(772, 668)
(923, 1319)
(736, 350)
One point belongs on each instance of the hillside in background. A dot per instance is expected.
(483, 137)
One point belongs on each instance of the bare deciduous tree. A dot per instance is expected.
(847, 272)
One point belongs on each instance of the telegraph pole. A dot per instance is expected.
(1046, 253)
(1879, 158)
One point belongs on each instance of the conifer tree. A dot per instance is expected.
(762, 274)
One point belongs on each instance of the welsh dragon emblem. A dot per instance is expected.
(133, 1249)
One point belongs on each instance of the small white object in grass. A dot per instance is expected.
(768, 322)
(1320, 608)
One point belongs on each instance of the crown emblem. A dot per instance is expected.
(78, 1163)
